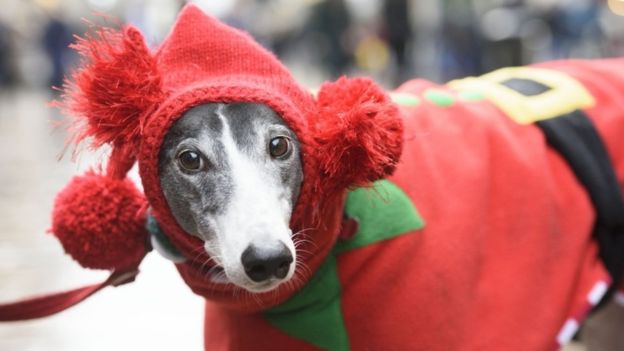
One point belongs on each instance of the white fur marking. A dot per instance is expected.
(256, 212)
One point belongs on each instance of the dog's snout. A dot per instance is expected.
(261, 263)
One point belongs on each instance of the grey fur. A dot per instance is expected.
(195, 197)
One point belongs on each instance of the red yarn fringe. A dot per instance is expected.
(116, 84)
(359, 132)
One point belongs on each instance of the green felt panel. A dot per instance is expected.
(383, 212)
(314, 314)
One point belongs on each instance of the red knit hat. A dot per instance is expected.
(128, 97)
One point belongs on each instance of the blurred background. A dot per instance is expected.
(389, 40)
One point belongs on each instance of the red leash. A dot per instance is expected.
(46, 305)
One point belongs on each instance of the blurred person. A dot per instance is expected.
(57, 36)
(461, 44)
(330, 19)
(398, 32)
(500, 32)
(575, 26)
(8, 75)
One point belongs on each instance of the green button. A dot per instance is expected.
(438, 97)
(404, 99)
(471, 95)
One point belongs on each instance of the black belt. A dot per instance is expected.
(577, 140)
(574, 136)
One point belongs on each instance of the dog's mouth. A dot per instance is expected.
(217, 275)
(264, 286)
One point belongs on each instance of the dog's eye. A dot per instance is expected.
(190, 160)
(279, 147)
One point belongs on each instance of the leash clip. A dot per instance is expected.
(121, 278)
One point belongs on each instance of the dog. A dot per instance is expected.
(234, 171)
(464, 216)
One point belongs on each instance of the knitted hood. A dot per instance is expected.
(128, 96)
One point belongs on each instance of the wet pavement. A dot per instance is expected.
(157, 312)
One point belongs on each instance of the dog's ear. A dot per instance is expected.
(359, 133)
(116, 85)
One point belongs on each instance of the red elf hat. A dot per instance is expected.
(127, 96)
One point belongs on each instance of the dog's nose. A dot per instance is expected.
(262, 263)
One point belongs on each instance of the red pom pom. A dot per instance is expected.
(100, 222)
(117, 83)
(359, 132)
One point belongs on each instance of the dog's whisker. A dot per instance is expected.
(212, 271)
(296, 281)
(235, 292)
(302, 241)
(200, 249)
(299, 243)
(276, 294)
(197, 252)
(302, 232)
(304, 253)
(304, 268)
(257, 299)
(306, 241)
(208, 271)
(301, 269)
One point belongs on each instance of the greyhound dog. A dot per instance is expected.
(231, 174)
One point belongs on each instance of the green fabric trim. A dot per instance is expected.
(404, 99)
(314, 313)
(471, 96)
(383, 212)
(439, 97)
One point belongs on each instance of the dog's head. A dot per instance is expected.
(233, 154)
(231, 174)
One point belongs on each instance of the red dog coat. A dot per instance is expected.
(506, 259)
